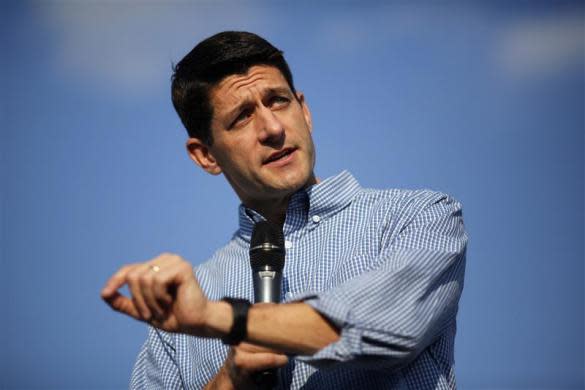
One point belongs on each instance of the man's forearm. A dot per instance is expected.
(292, 328)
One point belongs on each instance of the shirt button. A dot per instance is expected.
(288, 295)
(287, 244)
(316, 218)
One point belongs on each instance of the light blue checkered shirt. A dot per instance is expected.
(386, 266)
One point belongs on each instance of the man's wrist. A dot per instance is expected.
(218, 320)
(238, 331)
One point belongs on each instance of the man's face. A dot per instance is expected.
(261, 136)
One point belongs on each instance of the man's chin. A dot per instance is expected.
(291, 183)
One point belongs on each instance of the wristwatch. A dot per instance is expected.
(239, 328)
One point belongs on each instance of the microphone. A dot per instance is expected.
(267, 261)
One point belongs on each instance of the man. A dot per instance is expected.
(372, 278)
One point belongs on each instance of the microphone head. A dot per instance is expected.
(267, 246)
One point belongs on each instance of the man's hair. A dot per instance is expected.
(212, 60)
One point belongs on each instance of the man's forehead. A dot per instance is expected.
(235, 86)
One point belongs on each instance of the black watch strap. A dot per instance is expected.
(239, 328)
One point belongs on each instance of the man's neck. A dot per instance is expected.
(274, 210)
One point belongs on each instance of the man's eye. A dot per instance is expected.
(242, 117)
(279, 101)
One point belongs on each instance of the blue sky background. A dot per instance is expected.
(480, 100)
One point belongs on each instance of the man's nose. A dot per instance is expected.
(271, 128)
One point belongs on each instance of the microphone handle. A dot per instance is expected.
(267, 284)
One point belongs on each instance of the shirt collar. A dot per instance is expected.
(322, 200)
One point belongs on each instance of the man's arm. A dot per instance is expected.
(291, 328)
(166, 294)
(169, 312)
(407, 300)
(409, 297)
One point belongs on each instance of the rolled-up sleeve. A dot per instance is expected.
(155, 366)
(394, 311)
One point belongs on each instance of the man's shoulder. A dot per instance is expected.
(400, 198)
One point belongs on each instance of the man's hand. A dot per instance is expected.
(164, 293)
(242, 362)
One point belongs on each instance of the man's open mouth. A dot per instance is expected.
(279, 155)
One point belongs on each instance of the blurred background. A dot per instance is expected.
(484, 101)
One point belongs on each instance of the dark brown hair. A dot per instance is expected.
(219, 56)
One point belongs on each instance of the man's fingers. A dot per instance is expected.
(163, 271)
(116, 281)
(160, 287)
(116, 300)
(152, 284)
(257, 361)
(122, 304)
(254, 348)
(263, 361)
(134, 279)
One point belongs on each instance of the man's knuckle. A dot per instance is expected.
(185, 267)
(133, 277)
(147, 280)
(180, 260)
(156, 279)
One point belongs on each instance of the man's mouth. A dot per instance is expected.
(282, 154)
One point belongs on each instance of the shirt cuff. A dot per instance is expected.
(338, 312)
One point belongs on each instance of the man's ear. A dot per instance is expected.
(306, 111)
(202, 156)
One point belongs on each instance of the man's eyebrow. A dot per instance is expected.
(266, 92)
(278, 91)
(234, 111)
